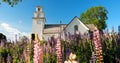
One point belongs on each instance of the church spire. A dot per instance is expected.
(38, 22)
(39, 12)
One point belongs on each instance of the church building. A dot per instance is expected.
(47, 30)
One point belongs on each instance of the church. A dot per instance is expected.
(47, 30)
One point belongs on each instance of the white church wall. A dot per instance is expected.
(37, 29)
(81, 27)
(52, 30)
(46, 36)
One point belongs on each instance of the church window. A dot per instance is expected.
(76, 27)
(38, 9)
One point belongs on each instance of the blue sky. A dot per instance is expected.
(18, 19)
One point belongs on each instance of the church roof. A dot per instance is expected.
(53, 28)
(91, 27)
(39, 6)
(53, 25)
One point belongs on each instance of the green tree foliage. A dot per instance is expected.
(10, 2)
(95, 15)
(2, 36)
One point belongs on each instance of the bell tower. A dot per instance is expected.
(38, 22)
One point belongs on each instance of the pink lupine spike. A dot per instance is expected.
(98, 46)
(37, 51)
(59, 51)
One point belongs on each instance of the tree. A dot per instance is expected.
(10, 2)
(2, 36)
(95, 15)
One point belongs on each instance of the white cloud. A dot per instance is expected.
(26, 34)
(11, 31)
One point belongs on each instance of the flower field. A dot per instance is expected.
(93, 48)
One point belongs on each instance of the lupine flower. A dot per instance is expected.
(49, 45)
(48, 42)
(37, 51)
(22, 59)
(98, 46)
(69, 35)
(53, 41)
(119, 29)
(72, 58)
(27, 54)
(67, 51)
(65, 34)
(9, 59)
(93, 57)
(59, 51)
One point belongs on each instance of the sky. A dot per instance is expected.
(18, 19)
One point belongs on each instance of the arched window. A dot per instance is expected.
(38, 9)
(76, 27)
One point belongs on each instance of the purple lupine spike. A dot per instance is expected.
(9, 59)
(65, 33)
(53, 41)
(119, 29)
(67, 51)
(93, 57)
(48, 42)
(69, 35)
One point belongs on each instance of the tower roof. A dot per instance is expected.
(39, 6)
